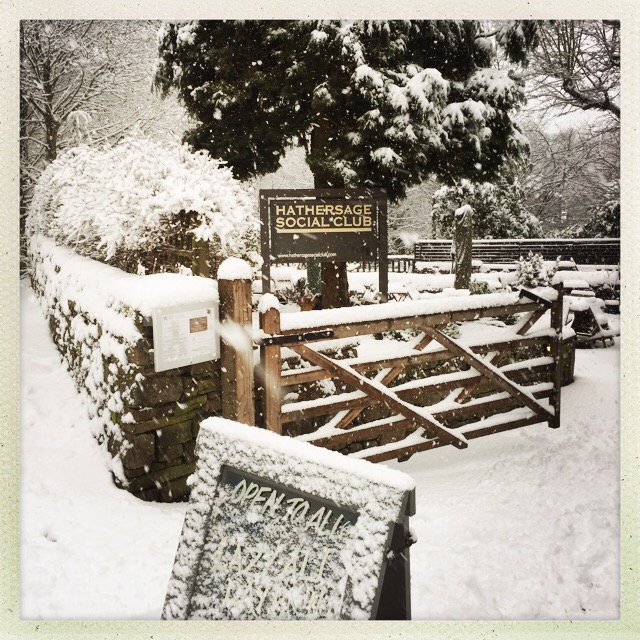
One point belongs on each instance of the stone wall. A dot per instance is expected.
(160, 422)
(147, 420)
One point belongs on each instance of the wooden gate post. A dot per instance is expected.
(236, 343)
(200, 251)
(270, 365)
(557, 324)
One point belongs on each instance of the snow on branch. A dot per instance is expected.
(136, 194)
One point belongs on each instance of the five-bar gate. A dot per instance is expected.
(496, 375)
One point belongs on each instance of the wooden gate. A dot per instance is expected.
(465, 386)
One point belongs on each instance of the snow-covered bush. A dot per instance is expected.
(125, 204)
(604, 223)
(532, 271)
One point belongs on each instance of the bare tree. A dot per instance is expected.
(573, 171)
(577, 66)
(102, 68)
(575, 167)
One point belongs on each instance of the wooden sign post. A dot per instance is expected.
(278, 529)
(324, 225)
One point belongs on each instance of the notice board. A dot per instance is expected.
(185, 334)
(278, 529)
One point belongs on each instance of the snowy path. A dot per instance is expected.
(525, 524)
(89, 550)
(520, 525)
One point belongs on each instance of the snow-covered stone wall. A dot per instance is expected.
(99, 320)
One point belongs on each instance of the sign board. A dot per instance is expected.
(323, 225)
(324, 229)
(279, 529)
(185, 334)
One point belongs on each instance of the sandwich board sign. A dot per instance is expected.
(278, 529)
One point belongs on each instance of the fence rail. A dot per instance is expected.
(581, 251)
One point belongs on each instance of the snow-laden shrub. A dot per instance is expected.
(604, 223)
(128, 201)
(532, 271)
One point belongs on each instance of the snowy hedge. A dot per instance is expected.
(130, 200)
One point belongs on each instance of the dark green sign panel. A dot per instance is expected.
(324, 230)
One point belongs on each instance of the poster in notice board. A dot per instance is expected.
(185, 334)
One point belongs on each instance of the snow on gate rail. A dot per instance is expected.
(486, 381)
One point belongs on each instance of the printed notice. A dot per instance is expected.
(184, 335)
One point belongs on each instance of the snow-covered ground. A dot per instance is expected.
(519, 525)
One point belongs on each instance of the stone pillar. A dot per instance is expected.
(463, 244)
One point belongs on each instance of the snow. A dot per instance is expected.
(520, 525)
(306, 455)
(268, 301)
(133, 195)
(77, 277)
(235, 269)
(333, 317)
(356, 552)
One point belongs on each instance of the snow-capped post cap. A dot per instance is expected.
(268, 301)
(235, 269)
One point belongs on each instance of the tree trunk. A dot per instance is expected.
(463, 244)
(333, 275)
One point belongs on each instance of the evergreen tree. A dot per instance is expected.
(499, 210)
(604, 223)
(375, 103)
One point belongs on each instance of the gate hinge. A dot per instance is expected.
(394, 553)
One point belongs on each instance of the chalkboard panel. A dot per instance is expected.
(279, 529)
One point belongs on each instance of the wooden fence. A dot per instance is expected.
(581, 251)
(478, 388)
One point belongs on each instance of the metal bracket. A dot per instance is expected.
(394, 553)
(294, 338)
